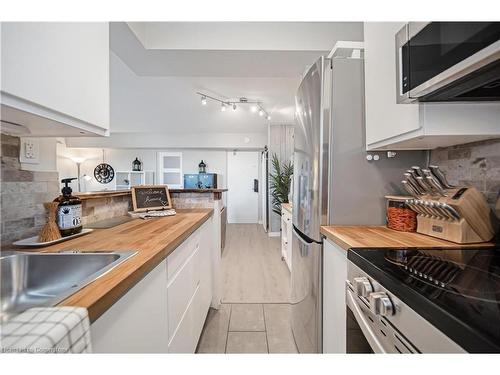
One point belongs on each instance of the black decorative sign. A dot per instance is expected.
(150, 198)
(104, 173)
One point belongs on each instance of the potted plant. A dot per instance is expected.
(280, 182)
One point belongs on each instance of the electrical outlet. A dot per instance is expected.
(29, 152)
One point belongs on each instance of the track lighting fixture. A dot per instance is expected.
(256, 106)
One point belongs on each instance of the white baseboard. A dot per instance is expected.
(274, 234)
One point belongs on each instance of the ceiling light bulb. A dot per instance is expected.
(253, 108)
(268, 117)
(261, 113)
(223, 107)
(234, 107)
(203, 100)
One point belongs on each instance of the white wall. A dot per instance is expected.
(47, 161)
(156, 140)
(121, 160)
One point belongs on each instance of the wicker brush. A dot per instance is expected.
(50, 230)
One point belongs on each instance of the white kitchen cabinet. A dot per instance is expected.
(164, 312)
(138, 321)
(55, 77)
(392, 126)
(286, 237)
(189, 290)
(334, 303)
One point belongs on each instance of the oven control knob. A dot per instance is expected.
(362, 286)
(380, 304)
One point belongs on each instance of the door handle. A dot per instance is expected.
(255, 185)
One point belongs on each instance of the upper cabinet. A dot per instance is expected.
(55, 77)
(392, 126)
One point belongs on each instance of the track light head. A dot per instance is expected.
(223, 107)
(268, 117)
(234, 107)
(203, 100)
(261, 113)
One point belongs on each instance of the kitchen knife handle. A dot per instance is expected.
(440, 176)
(409, 189)
(436, 186)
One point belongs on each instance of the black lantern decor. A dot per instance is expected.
(202, 167)
(136, 165)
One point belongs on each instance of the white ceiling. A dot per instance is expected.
(249, 36)
(170, 104)
(154, 90)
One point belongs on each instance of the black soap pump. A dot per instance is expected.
(69, 211)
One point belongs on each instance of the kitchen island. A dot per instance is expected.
(158, 299)
(153, 240)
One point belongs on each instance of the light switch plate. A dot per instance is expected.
(29, 151)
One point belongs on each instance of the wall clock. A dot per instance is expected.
(104, 173)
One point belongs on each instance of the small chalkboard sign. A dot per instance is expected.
(150, 198)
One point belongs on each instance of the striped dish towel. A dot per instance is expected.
(47, 330)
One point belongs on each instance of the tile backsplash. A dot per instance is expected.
(22, 194)
(473, 164)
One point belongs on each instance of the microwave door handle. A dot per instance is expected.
(363, 323)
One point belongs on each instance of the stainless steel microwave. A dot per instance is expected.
(448, 61)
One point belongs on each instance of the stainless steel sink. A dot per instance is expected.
(45, 279)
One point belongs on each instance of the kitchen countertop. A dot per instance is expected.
(153, 240)
(348, 236)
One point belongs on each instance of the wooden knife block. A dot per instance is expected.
(477, 221)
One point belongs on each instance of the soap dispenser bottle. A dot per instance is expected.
(69, 211)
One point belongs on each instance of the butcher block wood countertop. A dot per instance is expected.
(348, 236)
(153, 239)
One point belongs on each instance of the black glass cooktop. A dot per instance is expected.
(458, 291)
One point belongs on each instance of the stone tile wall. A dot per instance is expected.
(22, 194)
(105, 208)
(473, 164)
(192, 200)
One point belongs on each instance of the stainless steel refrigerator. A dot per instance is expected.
(333, 183)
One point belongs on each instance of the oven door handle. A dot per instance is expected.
(363, 322)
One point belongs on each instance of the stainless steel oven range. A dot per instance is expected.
(423, 300)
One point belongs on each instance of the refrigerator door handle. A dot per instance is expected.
(302, 238)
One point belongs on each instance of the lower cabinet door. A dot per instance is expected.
(180, 291)
(334, 302)
(137, 322)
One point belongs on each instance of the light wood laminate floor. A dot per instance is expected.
(253, 271)
(255, 314)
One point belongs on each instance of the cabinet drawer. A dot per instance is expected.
(180, 290)
(179, 256)
(185, 337)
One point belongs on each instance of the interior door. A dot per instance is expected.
(242, 195)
